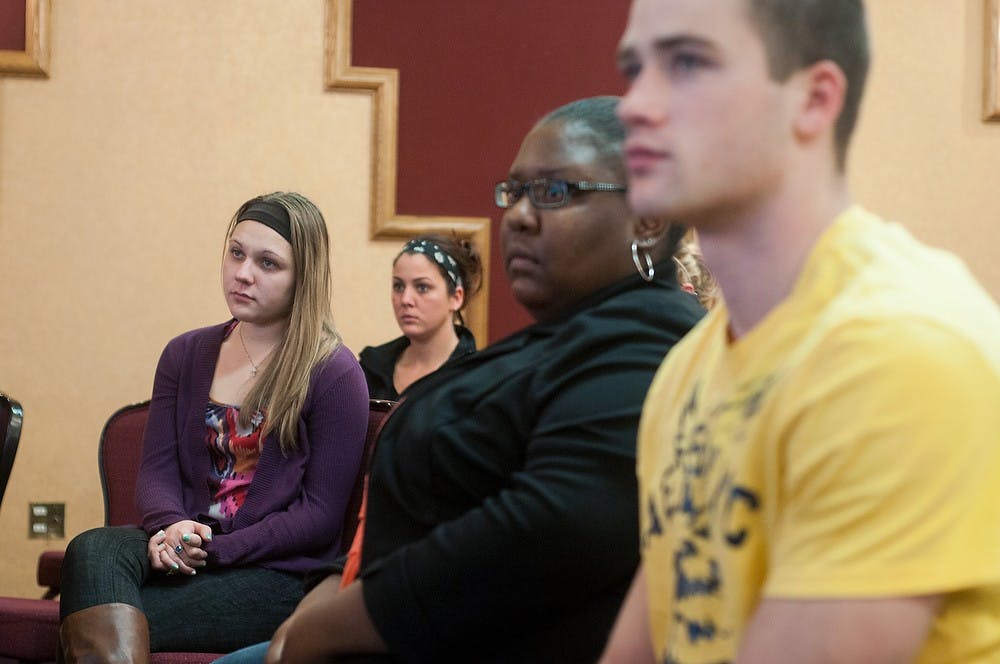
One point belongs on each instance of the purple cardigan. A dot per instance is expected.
(293, 512)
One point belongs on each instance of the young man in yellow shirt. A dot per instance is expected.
(819, 460)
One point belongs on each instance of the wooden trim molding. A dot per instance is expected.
(991, 83)
(383, 85)
(34, 59)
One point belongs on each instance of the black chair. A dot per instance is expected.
(11, 416)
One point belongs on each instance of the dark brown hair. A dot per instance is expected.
(466, 256)
(800, 33)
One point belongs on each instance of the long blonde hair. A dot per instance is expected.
(311, 336)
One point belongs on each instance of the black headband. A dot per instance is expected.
(272, 215)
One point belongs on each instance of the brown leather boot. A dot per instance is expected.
(105, 633)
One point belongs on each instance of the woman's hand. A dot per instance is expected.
(179, 548)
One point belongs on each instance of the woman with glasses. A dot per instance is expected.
(433, 278)
(254, 438)
(501, 507)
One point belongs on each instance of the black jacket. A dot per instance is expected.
(379, 362)
(502, 516)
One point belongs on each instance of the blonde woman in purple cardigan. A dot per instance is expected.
(255, 435)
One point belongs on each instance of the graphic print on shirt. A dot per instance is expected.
(709, 515)
(234, 452)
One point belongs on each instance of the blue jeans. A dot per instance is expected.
(255, 655)
(217, 610)
(249, 655)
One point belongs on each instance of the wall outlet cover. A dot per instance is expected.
(47, 520)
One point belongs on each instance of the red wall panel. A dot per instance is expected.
(474, 77)
(12, 25)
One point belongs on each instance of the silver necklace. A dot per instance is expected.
(253, 367)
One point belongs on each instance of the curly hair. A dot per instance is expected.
(692, 272)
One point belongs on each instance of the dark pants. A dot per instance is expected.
(214, 611)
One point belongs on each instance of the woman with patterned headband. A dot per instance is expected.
(433, 278)
(254, 439)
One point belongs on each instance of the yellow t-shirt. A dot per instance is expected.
(846, 447)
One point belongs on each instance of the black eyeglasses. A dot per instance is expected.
(545, 193)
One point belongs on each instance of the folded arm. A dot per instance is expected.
(877, 631)
(630, 641)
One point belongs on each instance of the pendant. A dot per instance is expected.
(253, 372)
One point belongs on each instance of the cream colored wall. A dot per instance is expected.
(118, 173)
(922, 155)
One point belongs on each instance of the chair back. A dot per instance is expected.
(378, 411)
(11, 417)
(118, 456)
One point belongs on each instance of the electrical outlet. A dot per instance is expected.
(47, 520)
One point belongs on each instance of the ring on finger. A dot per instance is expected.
(178, 549)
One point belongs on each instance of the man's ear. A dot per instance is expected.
(823, 88)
